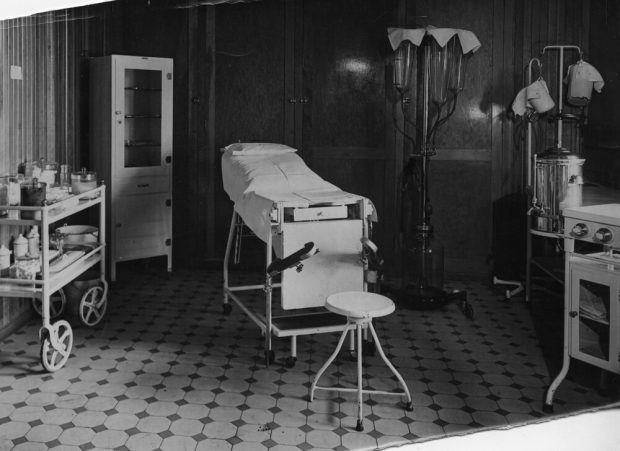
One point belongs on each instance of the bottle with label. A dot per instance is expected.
(5, 260)
(20, 246)
(33, 241)
(14, 194)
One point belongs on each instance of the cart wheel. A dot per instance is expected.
(226, 309)
(92, 306)
(58, 300)
(53, 359)
(290, 361)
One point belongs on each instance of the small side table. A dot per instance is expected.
(360, 308)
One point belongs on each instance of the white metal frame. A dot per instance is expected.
(356, 325)
(267, 322)
(57, 338)
(574, 272)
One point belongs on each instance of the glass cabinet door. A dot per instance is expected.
(595, 314)
(143, 114)
(142, 146)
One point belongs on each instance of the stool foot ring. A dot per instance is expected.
(360, 426)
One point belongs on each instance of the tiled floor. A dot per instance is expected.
(167, 370)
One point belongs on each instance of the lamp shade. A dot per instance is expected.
(449, 52)
(468, 40)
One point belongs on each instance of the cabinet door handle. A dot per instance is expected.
(168, 202)
(168, 159)
(572, 314)
(143, 185)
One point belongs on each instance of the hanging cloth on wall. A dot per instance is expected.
(580, 78)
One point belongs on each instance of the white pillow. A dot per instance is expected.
(258, 148)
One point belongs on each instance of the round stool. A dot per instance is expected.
(360, 308)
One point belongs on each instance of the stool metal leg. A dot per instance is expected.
(391, 367)
(329, 361)
(360, 426)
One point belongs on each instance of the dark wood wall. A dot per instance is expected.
(315, 74)
(602, 146)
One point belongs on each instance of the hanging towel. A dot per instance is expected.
(581, 77)
(520, 103)
(534, 97)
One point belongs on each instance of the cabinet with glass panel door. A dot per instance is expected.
(131, 147)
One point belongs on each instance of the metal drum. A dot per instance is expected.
(558, 185)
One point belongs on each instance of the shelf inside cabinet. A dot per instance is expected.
(142, 89)
(143, 116)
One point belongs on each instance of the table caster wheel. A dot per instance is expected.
(58, 300)
(360, 426)
(270, 357)
(226, 309)
(409, 407)
(290, 362)
(468, 310)
(368, 348)
(53, 358)
(92, 306)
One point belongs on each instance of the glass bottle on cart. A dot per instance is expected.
(131, 115)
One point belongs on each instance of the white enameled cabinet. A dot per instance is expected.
(131, 149)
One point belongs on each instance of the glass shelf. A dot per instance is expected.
(142, 89)
(143, 116)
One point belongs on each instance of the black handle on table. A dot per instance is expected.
(280, 264)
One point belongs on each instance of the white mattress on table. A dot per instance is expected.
(255, 182)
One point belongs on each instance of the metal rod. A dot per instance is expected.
(561, 48)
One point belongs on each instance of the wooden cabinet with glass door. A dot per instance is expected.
(131, 146)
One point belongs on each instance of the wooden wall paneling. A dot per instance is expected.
(344, 51)
(249, 94)
(396, 147)
(185, 164)
(210, 152)
(291, 10)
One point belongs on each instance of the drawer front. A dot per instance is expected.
(319, 213)
(143, 185)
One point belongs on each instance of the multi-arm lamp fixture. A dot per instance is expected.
(440, 57)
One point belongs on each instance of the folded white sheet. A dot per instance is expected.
(255, 182)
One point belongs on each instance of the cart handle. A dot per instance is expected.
(295, 259)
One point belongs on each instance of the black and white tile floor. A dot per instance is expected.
(167, 370)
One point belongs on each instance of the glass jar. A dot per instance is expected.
(14, 196)
(48, 172)
(83, 181)
(4, 196)
(32, 195)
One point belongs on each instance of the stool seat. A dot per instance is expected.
(359, 304)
